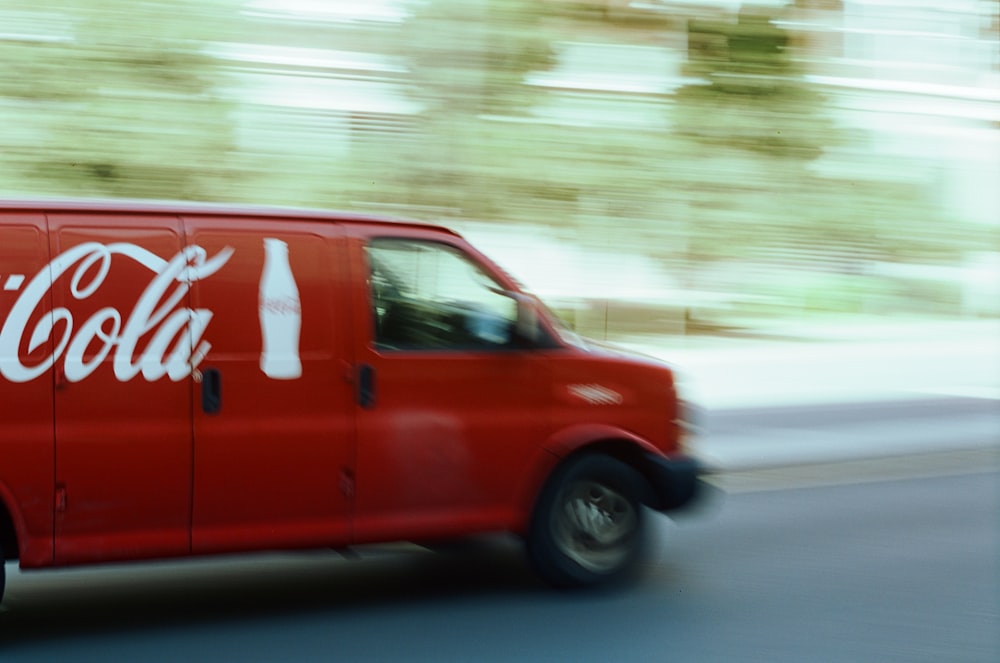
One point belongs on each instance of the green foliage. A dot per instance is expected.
(784, 120)
(126, 106)
(754, 128)
(724, 170)
(754, 97)
(470, 56)
(467, 63)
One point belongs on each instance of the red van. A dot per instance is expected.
(188, 379)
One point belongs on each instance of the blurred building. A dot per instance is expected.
(329, 11)
(922, 77)
(918, 79)
(310, 101)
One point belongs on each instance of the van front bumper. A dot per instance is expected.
(675, 481)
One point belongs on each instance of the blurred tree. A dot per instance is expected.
(467, 65)
(753, 97)
(471, 56)
(750, 179)
(125, 100)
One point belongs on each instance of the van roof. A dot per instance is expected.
(187, 208)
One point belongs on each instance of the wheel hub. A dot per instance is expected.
(595, 526)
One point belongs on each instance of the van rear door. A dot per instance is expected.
(273, 411)
(122, 387)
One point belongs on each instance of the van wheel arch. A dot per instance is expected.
(627, 452)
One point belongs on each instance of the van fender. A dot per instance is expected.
(560, 446)
(572, 439)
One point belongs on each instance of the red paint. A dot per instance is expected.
(109, 452)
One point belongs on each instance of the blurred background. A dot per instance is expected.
(669, 167)
(796, 201)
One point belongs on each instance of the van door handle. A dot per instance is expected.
(366, 386)
(211, 391)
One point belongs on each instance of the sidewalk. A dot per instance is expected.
(889, 366)
(844, 362)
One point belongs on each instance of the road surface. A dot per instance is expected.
(885, 559)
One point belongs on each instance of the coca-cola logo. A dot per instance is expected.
(175, 333)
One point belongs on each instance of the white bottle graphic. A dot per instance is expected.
(280, 314)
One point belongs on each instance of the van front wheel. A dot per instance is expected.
(587, 527)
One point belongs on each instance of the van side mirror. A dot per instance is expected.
(526, 328)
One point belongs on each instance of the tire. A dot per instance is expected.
(588, 525)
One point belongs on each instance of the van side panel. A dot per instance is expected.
(123, 387)
(27, 452)
(274, 463)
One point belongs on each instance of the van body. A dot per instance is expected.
(182, 380)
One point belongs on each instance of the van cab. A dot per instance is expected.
(181, 380)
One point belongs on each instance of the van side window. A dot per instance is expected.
(431, 296)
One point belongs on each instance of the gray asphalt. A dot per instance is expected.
(855, 561)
